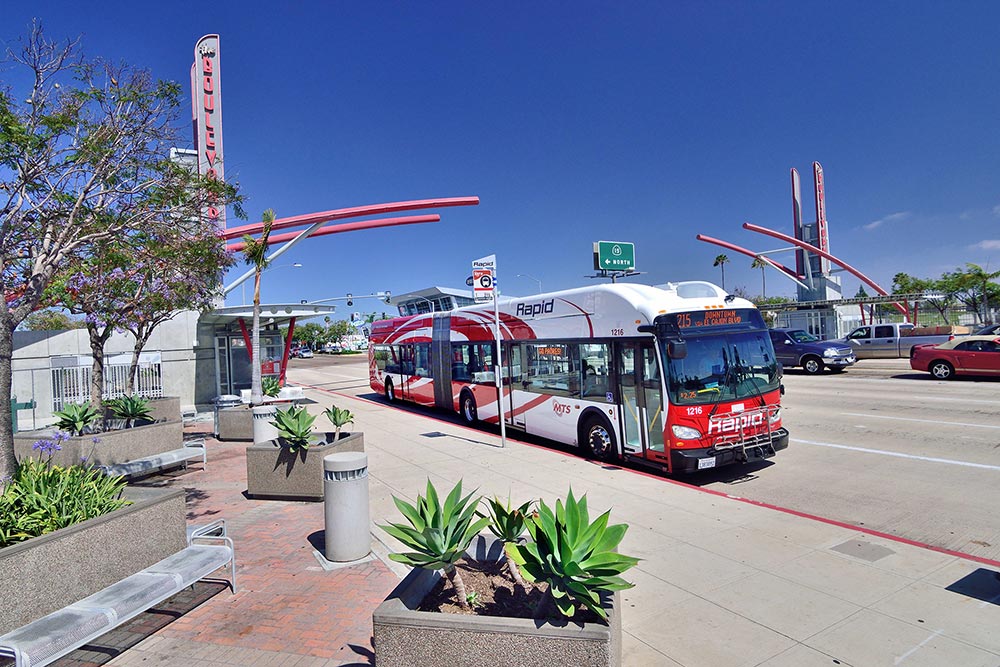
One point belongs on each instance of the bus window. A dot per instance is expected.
(553, 368)
(472, 362)
(594, 360)
(422, 354)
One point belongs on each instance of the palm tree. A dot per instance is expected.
(720, 261)
(759, 263)
(255, 253)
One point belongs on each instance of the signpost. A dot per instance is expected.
(484, 289)
(616, 258)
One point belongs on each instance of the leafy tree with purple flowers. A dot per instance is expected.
(84, 159)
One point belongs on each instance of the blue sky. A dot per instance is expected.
(577, 122)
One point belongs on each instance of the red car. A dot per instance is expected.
(968, 355)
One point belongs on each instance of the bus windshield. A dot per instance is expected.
(722, 367)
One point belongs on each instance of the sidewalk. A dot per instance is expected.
(723, 582)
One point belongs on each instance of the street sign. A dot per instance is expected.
(468, 281)
(483, 278)
(614, 256)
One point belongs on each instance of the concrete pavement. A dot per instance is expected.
(723, 582)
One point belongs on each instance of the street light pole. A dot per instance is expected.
(525, 275)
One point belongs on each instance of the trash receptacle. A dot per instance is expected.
(224, 401)
(345, 490)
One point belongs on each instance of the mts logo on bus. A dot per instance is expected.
(532, 309)
(734, 423)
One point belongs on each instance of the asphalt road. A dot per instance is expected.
(880, 446)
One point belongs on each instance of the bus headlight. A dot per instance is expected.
(685, 432)
(774, 416)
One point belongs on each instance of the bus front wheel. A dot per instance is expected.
(469, 413)
(599, 439)
(390, 393)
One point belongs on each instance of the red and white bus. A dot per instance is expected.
(682, 377)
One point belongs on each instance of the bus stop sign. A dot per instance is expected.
(614, 256)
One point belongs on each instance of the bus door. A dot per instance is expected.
(641, 397)
(512, 385)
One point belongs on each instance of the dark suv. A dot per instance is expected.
(795, 347)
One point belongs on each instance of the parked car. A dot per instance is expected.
(305, 353)
(969, 355)
(795, 347)
(896, 340)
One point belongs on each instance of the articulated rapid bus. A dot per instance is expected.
(681, 377)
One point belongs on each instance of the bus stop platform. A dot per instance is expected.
(722, 582)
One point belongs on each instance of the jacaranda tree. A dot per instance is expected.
(84, 158)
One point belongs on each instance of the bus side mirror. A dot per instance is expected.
(677, 349)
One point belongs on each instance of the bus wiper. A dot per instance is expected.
(725, 383)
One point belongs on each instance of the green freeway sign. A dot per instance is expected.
(614, 256)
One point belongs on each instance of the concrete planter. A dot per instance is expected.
(275, 472)
(236, 423)
(51, 571)
(167, 408)
(111, 446)
(404, 636)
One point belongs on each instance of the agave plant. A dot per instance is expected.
(130, 408)
(76, 417)
(438, 536)
(508, 523)
(339, 417)
(295, 427)
(577, 558)
(270, 385)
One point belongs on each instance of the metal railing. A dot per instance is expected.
(72, 385)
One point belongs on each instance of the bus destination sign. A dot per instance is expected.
(709, 318)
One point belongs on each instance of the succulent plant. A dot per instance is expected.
(130, 408)
(294, 427)
(577, 557)
(339, 417)
(438, 535)
(270, 385)
(508, 524)
(76, 417)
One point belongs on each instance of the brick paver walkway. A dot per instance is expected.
(290, 609)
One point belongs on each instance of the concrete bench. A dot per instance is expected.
(192, 449)
(49, 638)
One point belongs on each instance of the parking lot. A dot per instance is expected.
(880, 446)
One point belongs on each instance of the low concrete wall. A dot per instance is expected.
(405, 637)
(47, 573)
(274, 472)
(167, 408)
(111, 446)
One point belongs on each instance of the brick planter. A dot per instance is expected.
(275, 472)
(112, 446)
(404, 637)
(51, 571)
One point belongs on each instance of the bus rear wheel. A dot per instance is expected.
(390, 393)
(468, 407)
(599, 439)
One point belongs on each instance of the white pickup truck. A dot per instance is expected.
(896, 340)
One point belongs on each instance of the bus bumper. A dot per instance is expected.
(693, 460)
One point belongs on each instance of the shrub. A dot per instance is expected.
(577, 558)
(40, 498)
(295, 427)
(130, 408)
(76, 417)
(270, 386)
(339, 417)
(438, 536)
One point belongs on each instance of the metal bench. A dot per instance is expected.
(192, 449)
(49, 638)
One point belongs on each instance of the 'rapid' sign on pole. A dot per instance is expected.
(484, 289)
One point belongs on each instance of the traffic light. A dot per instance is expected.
(350, 300)
(388, 295)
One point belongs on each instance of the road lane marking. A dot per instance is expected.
(931, 459)
(925, 421)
